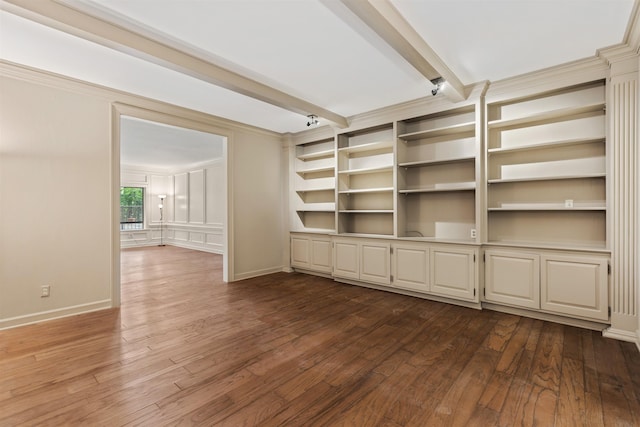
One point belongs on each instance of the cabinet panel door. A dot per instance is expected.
(576, 286)
(512, 278)
(300, 252)
(453, 273)
(375, 263)
(320, 255)
(345, 259)
(410, 267)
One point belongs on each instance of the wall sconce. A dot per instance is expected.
(313, 120)
(438, 83)
(161, 205)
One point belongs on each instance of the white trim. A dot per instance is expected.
(257, 273)
(621, 334)
(147, 108)
(28, 319)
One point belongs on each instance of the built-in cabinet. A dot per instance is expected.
(498, 200)
(570, 284)
(311, 252)
(362, 259)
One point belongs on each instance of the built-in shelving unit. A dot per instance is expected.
(546, 169)
(365, 160)
(437, 175)
(314, 185)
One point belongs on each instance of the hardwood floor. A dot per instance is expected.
(298, 350)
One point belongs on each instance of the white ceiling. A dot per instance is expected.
(151, 145)
(317, 50)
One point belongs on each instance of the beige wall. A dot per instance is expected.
(55, 196)
(55, 189)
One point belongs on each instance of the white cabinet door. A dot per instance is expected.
(410, 267)
(454, 272)
(320, 257)
(345, 259)
(375, 265)
(512, 278)
(300, 251)
(575, 285)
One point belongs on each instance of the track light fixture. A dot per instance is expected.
(313, 120)
(438, 83)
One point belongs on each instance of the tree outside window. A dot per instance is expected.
(131, 208)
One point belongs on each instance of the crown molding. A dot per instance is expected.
(617, 53)
(402, 111)
(114, 96)
(632, 33)
(548, 79)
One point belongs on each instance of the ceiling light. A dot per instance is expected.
(438, 83)
(313, 120)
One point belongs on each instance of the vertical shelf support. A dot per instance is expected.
(625, 187)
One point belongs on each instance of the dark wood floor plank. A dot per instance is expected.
(298, 350)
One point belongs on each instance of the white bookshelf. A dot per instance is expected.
(314, 185)
(546, 169)
(365, 187)
(437, 164)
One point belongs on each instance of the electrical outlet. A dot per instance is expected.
(473, 233)
(568, 203)
(45, 291)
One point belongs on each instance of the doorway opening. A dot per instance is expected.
(170, 180)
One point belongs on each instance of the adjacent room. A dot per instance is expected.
(319, 212)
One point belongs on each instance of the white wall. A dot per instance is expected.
(57, 219)
(55, 210)
(193, 211)
(258, 175)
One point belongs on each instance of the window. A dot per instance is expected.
(131, 208)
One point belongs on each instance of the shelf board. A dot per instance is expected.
(366, 211)
(360, 171)
(310, 190)
(543, 145)
(371, 146)
(435, 162)
(316, 155)
(315, 170)
(525, 207)
(367, 190)
(445, 130)
(457, 186)
(547, 116)
(316, 210)
(547, 178)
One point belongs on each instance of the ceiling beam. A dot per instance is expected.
(386, 21)
(124, 37)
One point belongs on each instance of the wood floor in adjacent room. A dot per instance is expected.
(298, 350)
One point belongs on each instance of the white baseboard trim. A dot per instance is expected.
(622, 335)
(214, 249)
(28, 319)
(638, 339)
(256, 273)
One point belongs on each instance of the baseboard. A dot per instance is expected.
(28, 319)
(638, 339)
(217, 249)
(256, 273)
(430, 297)
(622, 335)
(548, 317)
